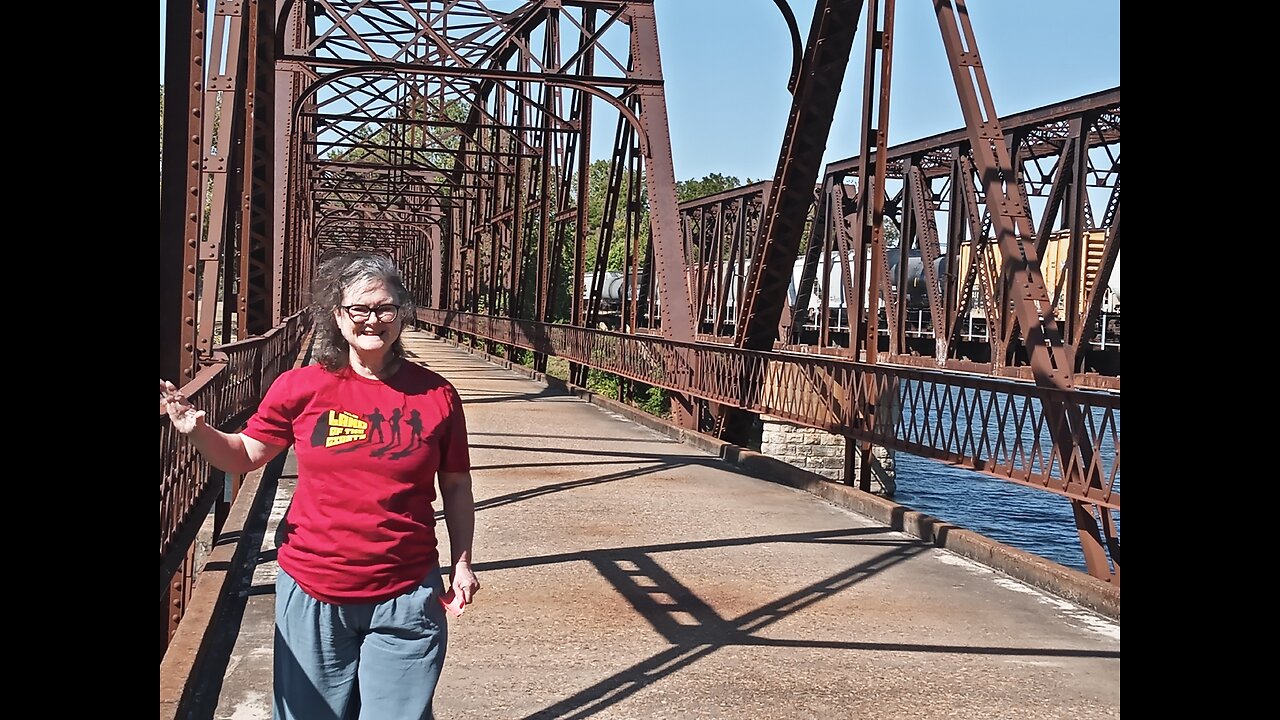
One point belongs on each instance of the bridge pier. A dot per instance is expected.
(831, 456)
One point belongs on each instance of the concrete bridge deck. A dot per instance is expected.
(628, 575)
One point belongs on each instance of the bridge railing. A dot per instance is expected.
(1003, 428)
(228, 389)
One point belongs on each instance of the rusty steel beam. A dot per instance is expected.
(925, 229)
(812, 109)
(1040, 119)
(291, 258)
(817, 88)
(869, 221)
(181, 201)
(870, 197)
(1022, 282)
(677, 315)
(224, 126)
(256, 301)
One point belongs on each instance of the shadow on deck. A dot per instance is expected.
(634, 570)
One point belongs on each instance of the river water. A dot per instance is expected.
(1029, 519)
(1033, 520)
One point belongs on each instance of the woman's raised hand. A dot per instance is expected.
(185, 417)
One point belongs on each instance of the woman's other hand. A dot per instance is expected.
(464, 581)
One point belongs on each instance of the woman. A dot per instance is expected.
(360, 626)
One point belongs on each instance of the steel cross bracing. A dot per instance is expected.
(944, 194)
(458, 137)
(1017, 305)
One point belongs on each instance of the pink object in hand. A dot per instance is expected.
(453, 603)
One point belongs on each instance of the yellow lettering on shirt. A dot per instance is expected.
(346, 419)
(342, 440)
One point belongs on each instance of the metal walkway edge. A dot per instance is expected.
(628, 575)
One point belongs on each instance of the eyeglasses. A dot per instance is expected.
(361, 313)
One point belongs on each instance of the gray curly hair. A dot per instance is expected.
(333, 278)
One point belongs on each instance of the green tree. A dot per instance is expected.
(708, 185)
(596, 212)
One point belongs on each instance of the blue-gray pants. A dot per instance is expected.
(375, 661)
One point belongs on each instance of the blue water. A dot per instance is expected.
(1026, 518)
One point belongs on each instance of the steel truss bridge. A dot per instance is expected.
(457, 136)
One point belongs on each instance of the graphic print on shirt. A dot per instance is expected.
(338, 427)
(375, 423)
(345, 431)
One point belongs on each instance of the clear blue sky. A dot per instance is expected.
(726, 64)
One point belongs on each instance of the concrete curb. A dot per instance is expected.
(1070, 584)
(215, 588)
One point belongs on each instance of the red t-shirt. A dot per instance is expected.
(361, 527)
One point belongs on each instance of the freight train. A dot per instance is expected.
(916, 294)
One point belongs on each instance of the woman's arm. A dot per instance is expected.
(230, 452)
(460, 518)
